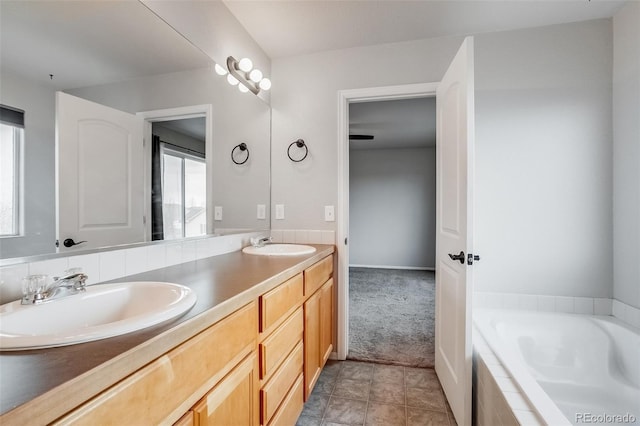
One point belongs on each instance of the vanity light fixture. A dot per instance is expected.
(242, 71)
(220, 70)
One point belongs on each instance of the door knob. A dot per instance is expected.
(70, 243)
(459, 257)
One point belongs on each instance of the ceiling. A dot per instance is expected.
(294, 27)
(405, 123)
(87, 43)
(285, 28)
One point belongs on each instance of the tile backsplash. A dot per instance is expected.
(113, 264)
(109, 265)
(303, 236)
(566, 304)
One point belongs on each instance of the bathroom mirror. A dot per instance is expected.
(122, 56)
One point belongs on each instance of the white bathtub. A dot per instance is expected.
(573, 369)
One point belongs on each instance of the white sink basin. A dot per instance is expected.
(103, 310)
(280, 250)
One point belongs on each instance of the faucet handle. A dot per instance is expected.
(34, 285)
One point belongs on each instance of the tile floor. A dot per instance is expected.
(367, 394)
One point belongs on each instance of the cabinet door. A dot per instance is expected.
(186, 420)
(312, 357)
(234, 401)
(158, 392)
(326, 321)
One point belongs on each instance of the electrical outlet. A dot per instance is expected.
(262, 211)
(329, 214)
(279, 211)
(217, 213)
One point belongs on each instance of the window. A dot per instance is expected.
(183, 195)
(11, 137)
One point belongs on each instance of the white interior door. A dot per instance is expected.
(454, 220)
(99, 174)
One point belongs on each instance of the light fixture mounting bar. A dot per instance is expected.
(242, 77)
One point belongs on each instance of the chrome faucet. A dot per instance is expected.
(260, 242)
(71, 283)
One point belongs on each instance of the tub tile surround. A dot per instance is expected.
(571, 305)
(109, 265)
(497, 398)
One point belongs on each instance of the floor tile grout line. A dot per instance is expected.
(404, 388)
(366, 411)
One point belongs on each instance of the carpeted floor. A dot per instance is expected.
(392, 316)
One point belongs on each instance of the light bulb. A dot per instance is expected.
(243, 88)
(265, 84)
(245, 64)
(220, 70)
(232, 80)
(255, 75)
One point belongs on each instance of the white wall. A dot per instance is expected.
(304, 104)
(543, 105)
(543, 156)
(626, 154)
(392, 207)
(38, 102)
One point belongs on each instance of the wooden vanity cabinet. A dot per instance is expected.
(186, 420)
(318, 320)
(254, 367)
(233, 401)
(281, 351)
(318, 334)
(166, 388)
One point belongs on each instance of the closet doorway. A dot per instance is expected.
(392, 224)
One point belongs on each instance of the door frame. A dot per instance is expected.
(346, 97)
(179, 113)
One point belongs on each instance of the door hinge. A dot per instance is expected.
(345, 241)
(144, 220)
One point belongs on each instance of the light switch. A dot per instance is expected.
(279, 211)
(217, 213)
(329, 214)
(262, 211)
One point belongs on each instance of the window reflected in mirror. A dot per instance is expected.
(11, 140)
(179, 187)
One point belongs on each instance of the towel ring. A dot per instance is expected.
(242, 147)
(300, 144)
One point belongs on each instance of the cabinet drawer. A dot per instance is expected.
(155, 393)
(317, 275)
(279, 385)
(276, 304)
(275, 348)
(291, 407)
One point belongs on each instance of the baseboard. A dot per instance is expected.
(409, 268)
